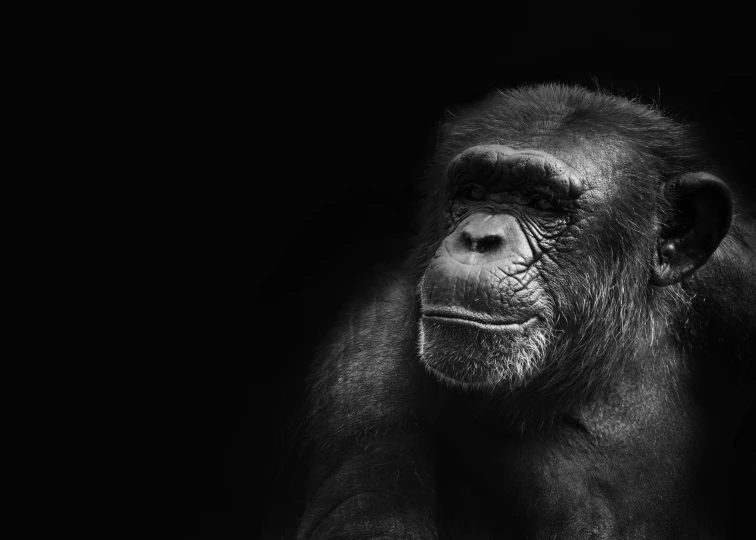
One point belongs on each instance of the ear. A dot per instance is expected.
(702, 213)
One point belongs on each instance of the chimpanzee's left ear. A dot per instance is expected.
(701, 218)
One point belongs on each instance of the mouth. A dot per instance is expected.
(475, 320)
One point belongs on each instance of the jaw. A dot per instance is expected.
(472, 354)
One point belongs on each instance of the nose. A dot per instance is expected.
(485, 238)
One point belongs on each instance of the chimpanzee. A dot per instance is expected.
(568, 351)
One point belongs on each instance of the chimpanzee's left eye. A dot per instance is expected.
(542, 203)
(474, 192)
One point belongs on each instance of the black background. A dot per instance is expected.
(296, 152)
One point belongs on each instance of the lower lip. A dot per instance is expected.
(480, 324)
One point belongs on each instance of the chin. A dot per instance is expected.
(475, 356)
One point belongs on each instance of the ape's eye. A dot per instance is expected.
(542, 204)
(474, 192)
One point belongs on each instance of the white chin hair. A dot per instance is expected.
(474, 359)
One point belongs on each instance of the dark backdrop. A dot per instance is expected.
(297, 161)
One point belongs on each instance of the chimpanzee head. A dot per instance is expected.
(562, 223)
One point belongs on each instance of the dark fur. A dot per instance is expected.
(375, 414)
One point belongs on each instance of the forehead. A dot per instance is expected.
(600, 162)
(613, 143)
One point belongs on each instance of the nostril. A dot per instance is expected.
(467, 240)
(481, 244)
(485, 244)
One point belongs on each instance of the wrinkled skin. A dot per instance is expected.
(566, 353)
(485, 290)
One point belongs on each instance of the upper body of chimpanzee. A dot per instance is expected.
(568, 352)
